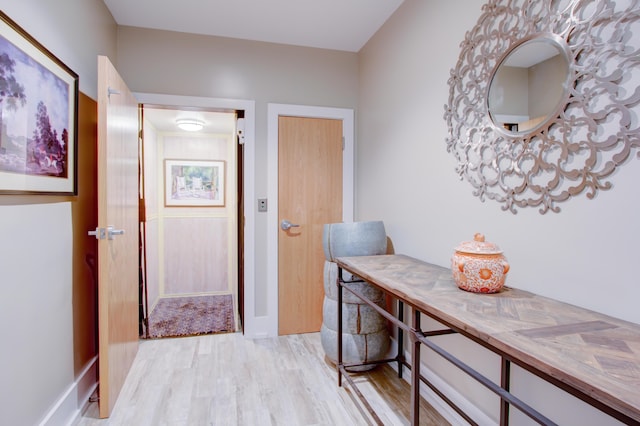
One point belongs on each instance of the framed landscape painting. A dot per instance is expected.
(38, 117)
(194, 183)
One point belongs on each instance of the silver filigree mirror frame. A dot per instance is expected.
(595, 128)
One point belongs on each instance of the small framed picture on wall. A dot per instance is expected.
(194, 183)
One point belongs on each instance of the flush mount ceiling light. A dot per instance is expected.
(190, 124)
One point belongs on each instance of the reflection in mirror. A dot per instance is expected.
(528, 86)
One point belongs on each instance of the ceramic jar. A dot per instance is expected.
(479, 266)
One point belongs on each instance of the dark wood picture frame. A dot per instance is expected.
(38, 117)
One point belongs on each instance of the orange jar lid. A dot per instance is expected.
(478, 246)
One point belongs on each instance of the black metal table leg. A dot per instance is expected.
(415, 368)
(505, 379)
(339, 284)
(400, 352)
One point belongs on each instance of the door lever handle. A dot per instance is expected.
(286, 225)
(111, 232)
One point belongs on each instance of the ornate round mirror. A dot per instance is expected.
(529, 85)
(558, 135)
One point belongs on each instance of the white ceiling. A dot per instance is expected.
(531, 53)
(164, 119)
(331, 24)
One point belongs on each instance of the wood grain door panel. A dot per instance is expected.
(118, 257)
(309, 195)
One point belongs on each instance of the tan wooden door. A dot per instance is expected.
(309, 195)
(118, 254)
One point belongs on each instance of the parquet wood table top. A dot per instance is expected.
(593, 353)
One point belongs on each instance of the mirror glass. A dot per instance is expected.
(528, 86)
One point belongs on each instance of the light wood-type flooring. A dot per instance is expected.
(226, 379)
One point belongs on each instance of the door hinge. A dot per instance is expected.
(111, 91)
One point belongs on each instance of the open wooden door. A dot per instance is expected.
(117, 246)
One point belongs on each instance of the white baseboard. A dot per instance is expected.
(479, 416)
(74, 400)
(457, 398)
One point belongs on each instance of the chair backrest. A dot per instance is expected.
(181, 182)
(196, 183)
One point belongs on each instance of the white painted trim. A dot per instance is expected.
(251, 322)
(273, 112)
(72, 403)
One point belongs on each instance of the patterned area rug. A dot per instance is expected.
(188, 316)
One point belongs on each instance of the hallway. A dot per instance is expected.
(226, 379)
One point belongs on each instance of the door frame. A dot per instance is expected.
(249, 199)
(269, 323)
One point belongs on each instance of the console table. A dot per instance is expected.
(590, 355)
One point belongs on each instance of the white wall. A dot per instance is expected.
(36, 326)
(197, 245)
(37, 359)
(585, 255)
(76, 31)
